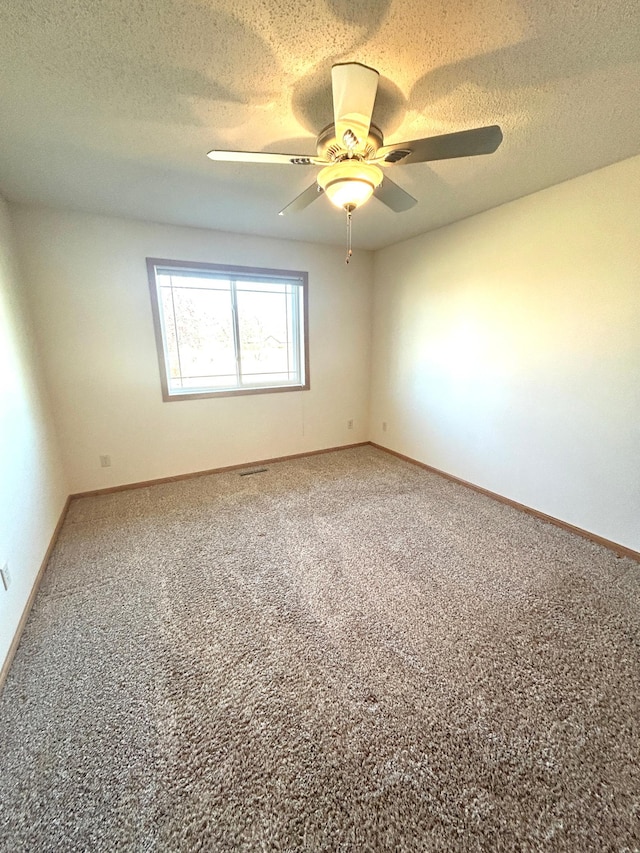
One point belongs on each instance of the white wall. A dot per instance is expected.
(91, 306)
(507, 351)
(33, 488)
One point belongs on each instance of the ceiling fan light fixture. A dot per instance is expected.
(350, 183)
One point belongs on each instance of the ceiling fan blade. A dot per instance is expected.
(303, 200)
(464, 143)
(354, 94)
(265, 157)
(394, 196)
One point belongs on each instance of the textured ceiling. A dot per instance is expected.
(111, 106)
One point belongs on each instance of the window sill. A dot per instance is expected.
(231, 392)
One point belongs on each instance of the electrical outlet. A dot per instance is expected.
(350, 423)
(105, 462)
(384, 426)
(6, 577)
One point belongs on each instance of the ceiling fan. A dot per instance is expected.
(352, 152)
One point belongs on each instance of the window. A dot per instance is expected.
(224, 330)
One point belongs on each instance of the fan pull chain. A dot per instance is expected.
(349, 252)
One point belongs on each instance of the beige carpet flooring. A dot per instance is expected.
(343, 653)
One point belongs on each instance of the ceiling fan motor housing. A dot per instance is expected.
(331, 148)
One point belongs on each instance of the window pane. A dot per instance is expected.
(205, 332)
(171, 342)
(202, 382)
(264, 334)
(261, 286)
(268, 378)
(195, 281)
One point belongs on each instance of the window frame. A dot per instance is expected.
(299, 277)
